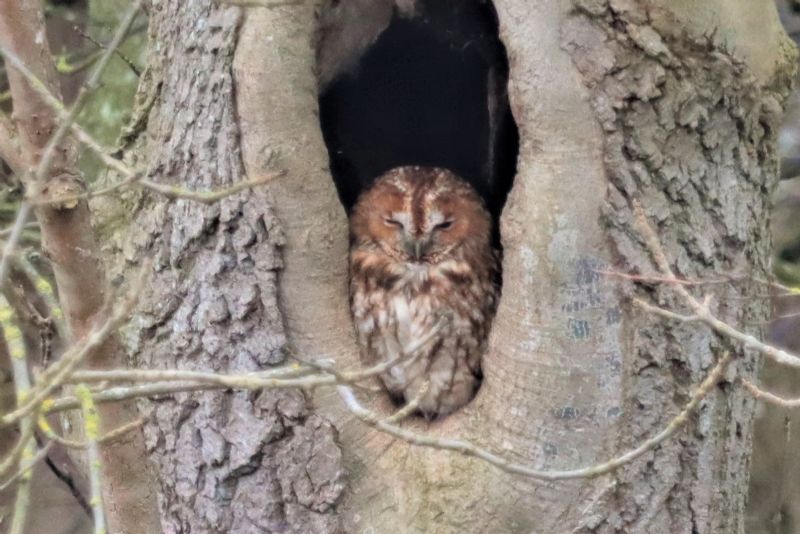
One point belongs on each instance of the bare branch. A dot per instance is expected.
(9, 147)
(168, 382)
(63, 113)
(211, 381)
(130, 176)
(45, 290)
(26, 437)
(768, 397)
(91, 84)
(91, 425)
(12, 458)
(469, 449)
(15, 347)
(108, 437)
(69, 66)
(701, 310)
(664, 279)
(26, 101)
(666, 314)
(5, 232)
(58, 373)
(101, 46)
(207, 197)
(244, 381)
(263, 3)
(118, 394)
(20, 222)
(25, 470)
(409, 408)
(284, 377)
(40, 89)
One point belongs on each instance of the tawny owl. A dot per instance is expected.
(421, 255)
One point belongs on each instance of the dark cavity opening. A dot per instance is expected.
(416, 86)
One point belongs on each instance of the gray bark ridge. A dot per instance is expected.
(227, 461)
(689, 116)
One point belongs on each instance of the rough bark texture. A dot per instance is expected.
(232, 461)
(689, 101)
(615, 100)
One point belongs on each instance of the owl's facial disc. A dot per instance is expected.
(420, 215)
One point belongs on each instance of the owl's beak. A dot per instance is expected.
(417, 248)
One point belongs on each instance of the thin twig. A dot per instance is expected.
(63, 113)
(410, 406)
(729, 279)
(649, 278)
(782, 316)
(469, 449)
(86, 90)
(57, 374)
(5, 232)
(114, 394)
(20, 221)
(771, 398)
(154, 375)
(117, 394)
(701, 310)
(786, 460)
(666, 314)
(43, 165)
(12, 458)
(25, 470)
(168, 382)
(15, 347)
(9, 148)
(101, 46)
(130, 176)
(113, 435)
(45, 290)
(91, 425)
(285, 377)
(70, 66)
(108, 437)
(207, 197)
(262, 3)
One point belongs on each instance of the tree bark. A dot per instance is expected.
(673, 104)
(229, 461)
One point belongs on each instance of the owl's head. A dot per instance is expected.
(420, 215)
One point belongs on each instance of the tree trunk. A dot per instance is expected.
(671, 103)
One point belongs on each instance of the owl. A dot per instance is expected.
(422, 265)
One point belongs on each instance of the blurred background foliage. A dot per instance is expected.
(774, 503)
(77, 32)
(78, 29)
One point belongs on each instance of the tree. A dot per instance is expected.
(627, 112)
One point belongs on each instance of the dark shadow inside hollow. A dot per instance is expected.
(429, 89)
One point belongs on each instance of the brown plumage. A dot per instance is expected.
(421, 255)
